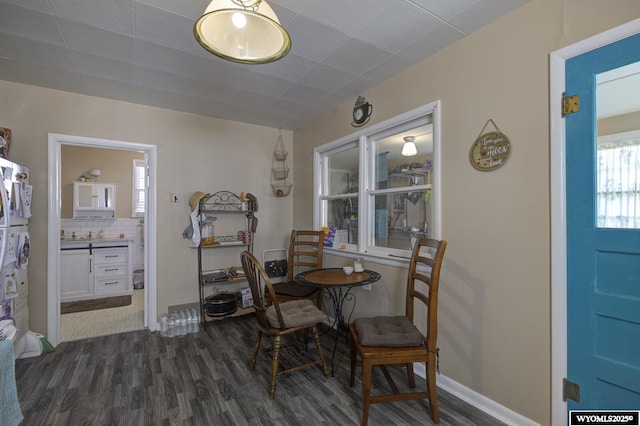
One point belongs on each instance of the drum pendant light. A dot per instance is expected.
(243, 31)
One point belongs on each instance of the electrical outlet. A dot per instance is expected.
(367, 287)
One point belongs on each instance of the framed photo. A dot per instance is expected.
(5, 142)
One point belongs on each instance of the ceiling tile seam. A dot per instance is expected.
(444, 21)
(204, 96)
(66, 46)
(136, 66)
(155, 6)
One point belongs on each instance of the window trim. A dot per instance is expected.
(363, 137)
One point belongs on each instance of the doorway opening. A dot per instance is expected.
(142, 298)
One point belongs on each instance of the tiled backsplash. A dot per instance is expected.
(131, 228)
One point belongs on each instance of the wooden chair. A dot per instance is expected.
(281, 321)
(305, 252)
(395, 340)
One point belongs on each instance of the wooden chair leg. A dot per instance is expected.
(411, 376)
(366, 390)
(431, 388)
(274, 366)
(323, 362)
(352, 345)
(256, 349)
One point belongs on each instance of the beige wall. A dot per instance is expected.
(195, 153)
(494, 315)
(116, 167)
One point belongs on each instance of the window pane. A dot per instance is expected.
(343, 171)
(393, 169)
(400, 216)
(343, 215)
(617, 167)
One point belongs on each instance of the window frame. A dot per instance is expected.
(365, 138)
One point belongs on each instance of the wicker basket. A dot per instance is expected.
(280, 172)
(281, 190)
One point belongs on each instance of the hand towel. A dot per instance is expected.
(9, 404)
(195, 238)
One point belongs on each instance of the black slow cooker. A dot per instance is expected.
(221, 304)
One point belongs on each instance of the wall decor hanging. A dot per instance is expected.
(5, 142)
(490, 150)
(280, 171)
(361, 112)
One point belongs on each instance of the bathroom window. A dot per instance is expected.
(378, 189)
(139, 188)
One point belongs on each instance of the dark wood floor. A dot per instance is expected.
(141, 378)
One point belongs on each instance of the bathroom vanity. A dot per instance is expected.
(95, 268)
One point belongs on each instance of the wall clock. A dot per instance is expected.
(361, 112)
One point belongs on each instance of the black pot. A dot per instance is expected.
(219, 305)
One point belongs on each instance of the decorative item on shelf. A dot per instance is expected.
(207, 233)
(242, 31)
(280, 171)
(490, 150)
(361, 112)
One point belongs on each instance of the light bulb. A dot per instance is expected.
(239, 20)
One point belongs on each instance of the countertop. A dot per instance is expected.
(95, 241)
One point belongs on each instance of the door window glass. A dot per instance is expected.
(618, 148)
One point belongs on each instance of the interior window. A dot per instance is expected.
(378, 187)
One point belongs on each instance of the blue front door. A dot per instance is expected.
(603, 262)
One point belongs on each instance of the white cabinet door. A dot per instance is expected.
(83, 196)
(76, 275)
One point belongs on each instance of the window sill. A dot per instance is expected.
(381, 259)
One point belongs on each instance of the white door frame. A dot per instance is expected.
(54, 217)
(558, 208)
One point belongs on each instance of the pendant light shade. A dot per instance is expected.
(409, 147)
(243, 31)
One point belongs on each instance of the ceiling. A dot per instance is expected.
(143, 51)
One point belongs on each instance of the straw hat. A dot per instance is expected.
(196, 197)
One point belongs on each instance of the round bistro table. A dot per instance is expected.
(337, 286)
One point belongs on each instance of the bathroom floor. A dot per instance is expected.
(102, 322)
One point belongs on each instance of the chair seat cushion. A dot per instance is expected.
(295, 313)
(294, 289)
(388, 331)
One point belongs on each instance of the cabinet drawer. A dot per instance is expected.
(107, 285)
(104, 271)
(107, 256)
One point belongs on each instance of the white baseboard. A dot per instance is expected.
(477, 400)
